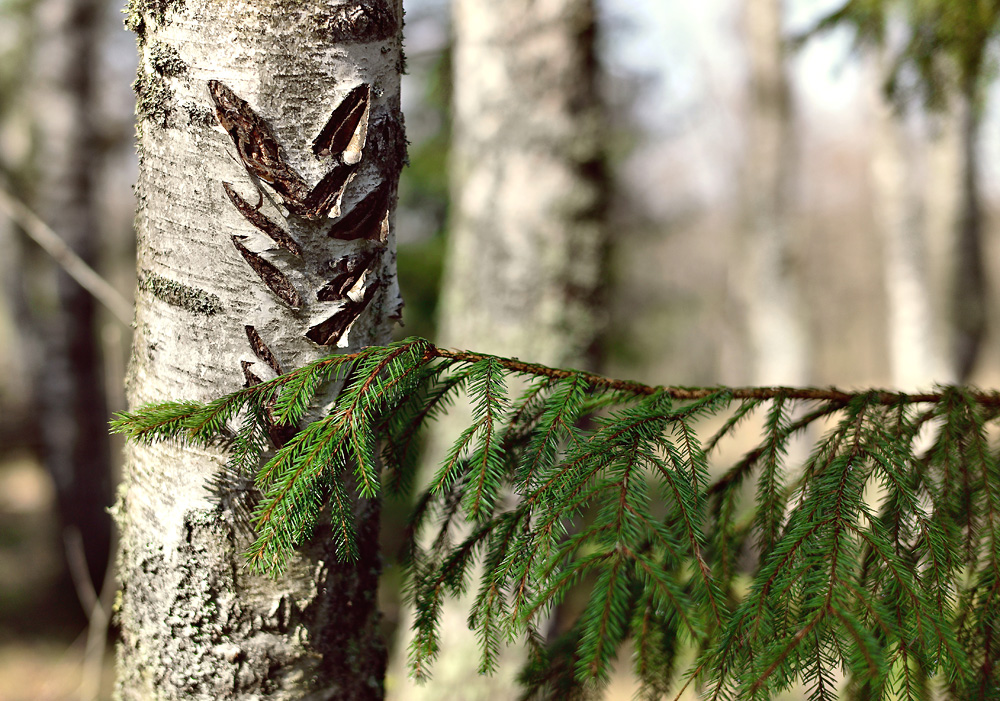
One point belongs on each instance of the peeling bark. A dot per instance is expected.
(195, 624)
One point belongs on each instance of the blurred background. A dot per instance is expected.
(742, 192)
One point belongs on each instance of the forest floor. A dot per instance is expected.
(42, 628)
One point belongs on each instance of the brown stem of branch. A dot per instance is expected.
(831, 394)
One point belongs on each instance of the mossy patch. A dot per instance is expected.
(153, 97)
(165, 60)
(199, 114)
(137, 11)
(179, 295)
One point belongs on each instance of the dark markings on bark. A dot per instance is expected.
(263, 158)
(325, 198)
(256, 217)
(347, 128)
(248, 376)
(386, 142)
(256, 145)
(348, 271)
(271, 276)
(358, 22)
(327, 333)
(178, 294)
(364, 221)
(261, 350)
(397, 314)
(279, 433)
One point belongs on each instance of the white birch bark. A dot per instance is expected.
(776, 334)
(195, 624)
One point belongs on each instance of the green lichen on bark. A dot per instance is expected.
(138, 11)
(165, 60)
(153, 97)
(179, 295)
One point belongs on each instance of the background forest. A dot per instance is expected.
(764, 214)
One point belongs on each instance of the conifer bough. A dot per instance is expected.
(872, 569)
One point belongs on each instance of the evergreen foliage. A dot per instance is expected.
(943, 46)
(871, 570)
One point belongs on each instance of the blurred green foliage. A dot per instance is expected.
(944, 46)
(424, 195)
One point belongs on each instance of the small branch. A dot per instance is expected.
(831, 394)
(42, 234)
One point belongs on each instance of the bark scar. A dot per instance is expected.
(272, 277)
(256, 217)
(364, 220)
(348, 271)
(264, 158)
(330, 331)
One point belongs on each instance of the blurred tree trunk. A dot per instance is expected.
(901, 222)
(942, 197)
(776, 333)
(70, 375)
(930, 217)
(195, 623)
(525, 264)
(969, 309)
(526, 255)
(19, 424)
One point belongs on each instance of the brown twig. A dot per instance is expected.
(831, 394)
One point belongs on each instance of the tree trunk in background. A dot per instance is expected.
(70, 382)
(526, 255)
(195, 624)
(969, 310)
(527, 247)
(776, 334)
(931, 222)
(942, 204)
(914, 359)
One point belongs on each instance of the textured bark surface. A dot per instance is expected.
(195, 624)
(775, 332)
(526, 247)
(70, 377)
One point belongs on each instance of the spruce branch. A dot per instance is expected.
(875, 556)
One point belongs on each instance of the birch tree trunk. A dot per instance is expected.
(775, 331)
(527, 245)
(969, 309)
(211, 316)
(931, 223)
(526, 254)
(915, 360)
(942, 198)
